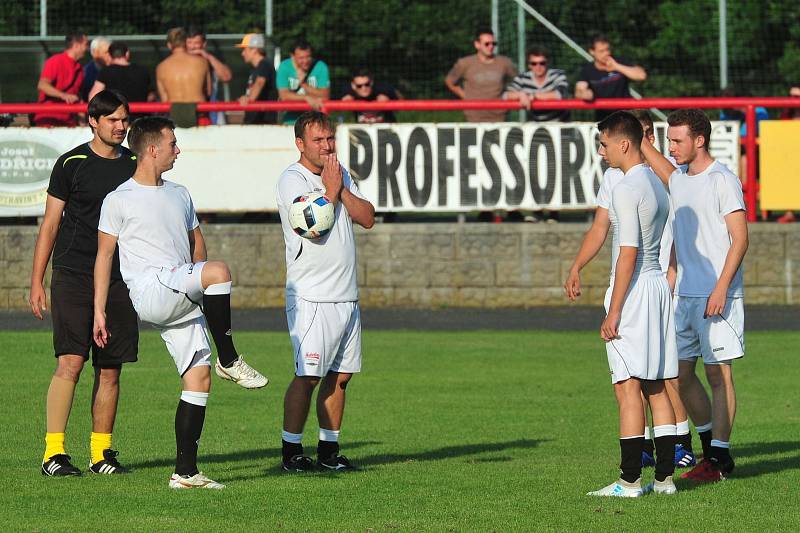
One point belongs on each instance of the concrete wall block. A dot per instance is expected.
(513, 273)
(541, 244)
(16, 273)
(378, 273)
(410, 273)
(372, 245)
(18, 300)
(258, 272)
(19, 243)
(376, 296)
(765, 295)
(770, 272)
(462, 274)
(412, 297)
(491, 245)
(471, 297)
(409, 246)
(443, 296)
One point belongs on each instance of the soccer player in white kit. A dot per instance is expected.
(710, 231)
(592, 243)
(321, 295)
(163, 263)
(638, 328)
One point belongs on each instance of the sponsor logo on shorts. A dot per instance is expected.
(718, 349)
(312, 355)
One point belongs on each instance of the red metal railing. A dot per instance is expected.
(748, 104)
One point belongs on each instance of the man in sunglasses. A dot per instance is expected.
(539, 82)
(481, 76)
(364, 89)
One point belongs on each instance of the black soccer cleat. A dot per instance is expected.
(59, 465)
(299, 463)
(109, 464)
(336, 462)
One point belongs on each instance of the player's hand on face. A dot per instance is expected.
(573, 285)
(609, 330)
(100, 333)
(38, 301)
(332, 177)
(611, 64)
(716, 303)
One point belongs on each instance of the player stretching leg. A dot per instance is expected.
(638, 328)
(591, 245)
(163, 262)
(710, 243)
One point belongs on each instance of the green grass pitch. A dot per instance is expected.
(469, 431)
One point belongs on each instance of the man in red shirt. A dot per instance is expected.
(60, 81)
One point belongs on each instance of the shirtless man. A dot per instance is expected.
(182, 77)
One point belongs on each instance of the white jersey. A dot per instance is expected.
(638, 212)
(701, 202)
(323, 269)
(611, 177)
(152, 225)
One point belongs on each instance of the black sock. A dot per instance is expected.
(217, 308)
(685, 441)
(631, 458)
(290, 449)
(721, 457)
(649, 447)
(326, 449)
(189, 420)
(705, 441)
(665, 456)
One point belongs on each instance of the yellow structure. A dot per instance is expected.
(779, 174)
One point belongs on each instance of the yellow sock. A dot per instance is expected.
(54, 445)
(98, 443)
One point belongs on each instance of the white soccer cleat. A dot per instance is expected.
(620, 489)
(242, 374)
(661, 487)
(197, 481)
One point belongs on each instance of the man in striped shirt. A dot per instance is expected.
(539, 83)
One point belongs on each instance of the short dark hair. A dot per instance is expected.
(623, 123)
(312, 118)
(598, 38)
(301, 44)
(361, 73)
(146, 131)
(644, 117)
(538, 51)
(74, 36)
(695, 120)
(117, 49)
(196, 31)
(483, 30)
(105, 103)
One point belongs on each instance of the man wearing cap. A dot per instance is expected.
(303, 78)
(261, 82)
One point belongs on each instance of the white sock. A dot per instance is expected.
(703, 428)
(647, 433)
(328, 435)
(219, 288)
(720, 444)
(295, 438)
(682, 428)
(195, 398)
(632, 437)
(663, 431)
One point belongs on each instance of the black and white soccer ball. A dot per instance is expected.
(311, 215)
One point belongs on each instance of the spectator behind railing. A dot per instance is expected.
(196, 44)
(363, 88)
(261, 82)
(183, 77)
(60, 81)
(539, 82)
(98, 49)
(606, 77)
(482, 75)
(130, 80)
(301, 77)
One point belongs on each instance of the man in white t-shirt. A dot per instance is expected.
(172, 285)
(592, 243)
(710, 232)
(638, 328)
(321, 295)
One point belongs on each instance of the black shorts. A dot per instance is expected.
(72, 307)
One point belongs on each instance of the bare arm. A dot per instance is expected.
(672, 269)
(736, 223)
(54, 208)
(47, 88)
(324, 94)
(254, 91)
(96, 88)
(197, 245)
(632, 72)
(162, 90)
(623, 273)
(660, 164)
(454, 88)
(106, 244)
(222, 70)
(592, 243)
(583, 91)
(290, 96)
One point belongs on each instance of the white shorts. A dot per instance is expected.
(188, 344)
(168, 297)
(717, 339)
(326, 337)
(646, 346)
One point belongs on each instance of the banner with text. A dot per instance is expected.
(465, 167)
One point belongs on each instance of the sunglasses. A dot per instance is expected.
(537, 63)
(363, 85)
(489, 43)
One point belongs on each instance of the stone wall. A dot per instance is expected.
(438, 264)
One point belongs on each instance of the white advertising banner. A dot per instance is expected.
(400, 167)
(466, 167)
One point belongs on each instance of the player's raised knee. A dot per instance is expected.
(216, 272)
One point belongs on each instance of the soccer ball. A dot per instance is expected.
(311, 215)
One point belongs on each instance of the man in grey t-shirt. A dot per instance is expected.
(483, 75)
